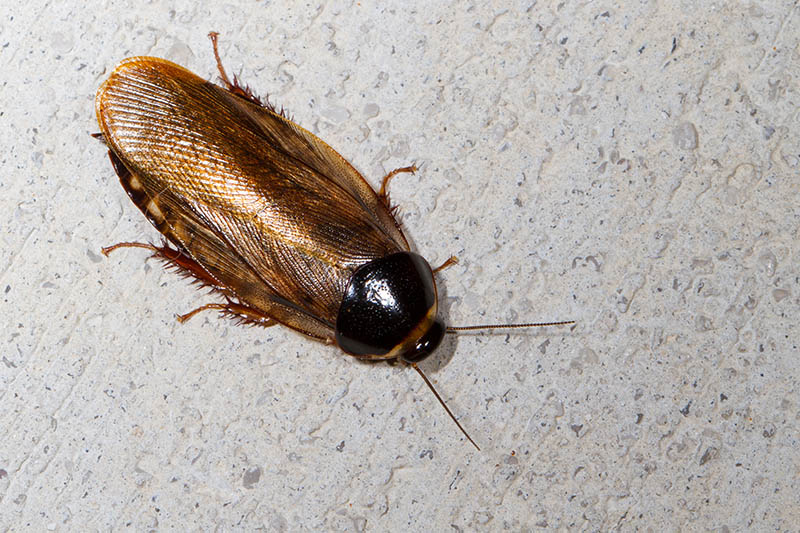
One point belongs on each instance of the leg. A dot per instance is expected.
(187, 266)
(184, 317)
(452, 260)
(247, 315)
(234, 86)
(384, 192)
(174, 258)
(108, 249)
(231, 86)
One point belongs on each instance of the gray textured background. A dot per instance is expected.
(630, 165)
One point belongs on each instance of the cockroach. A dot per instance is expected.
(267, 215)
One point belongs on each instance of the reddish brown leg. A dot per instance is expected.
(173, 257)
(189, 267)
(108, 249)
(384, 192)
(183, 318)
(233, 86)
(452, 260)
(246, 314)
(214, 36)
(147, 246)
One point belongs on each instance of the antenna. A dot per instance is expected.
(454, 329)
(430, 385)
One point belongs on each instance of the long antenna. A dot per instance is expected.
(430, 385)
(453, 329)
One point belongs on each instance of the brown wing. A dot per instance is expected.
(211, 261)
(265, 206)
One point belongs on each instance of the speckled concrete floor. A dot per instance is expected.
(632, 166)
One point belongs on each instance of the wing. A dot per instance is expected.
(253, 198)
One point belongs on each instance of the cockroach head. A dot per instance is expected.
(426, 344)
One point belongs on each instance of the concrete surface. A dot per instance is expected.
(631, 165)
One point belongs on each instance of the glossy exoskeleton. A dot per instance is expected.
(265, 213)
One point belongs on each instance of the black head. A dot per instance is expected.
(389, 310)
(426, 344)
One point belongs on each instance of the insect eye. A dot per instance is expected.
(426, 344)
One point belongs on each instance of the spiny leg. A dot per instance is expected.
(174, 258)
(234, 86)
(190, 268)
(452, 260)
(384, 192)
(248, 315)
